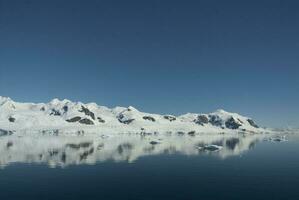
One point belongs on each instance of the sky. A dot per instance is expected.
(159, 56)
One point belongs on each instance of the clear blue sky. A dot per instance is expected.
(159, 56)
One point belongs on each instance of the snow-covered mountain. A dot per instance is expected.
(68, 116)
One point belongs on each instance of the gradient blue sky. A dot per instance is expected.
(159, 56)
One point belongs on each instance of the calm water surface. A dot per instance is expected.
(138, 168)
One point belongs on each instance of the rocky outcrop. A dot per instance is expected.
(201, 120)
(79, 145)
(74, 119)
(231, 123)
(11, 119)
(100, 120)
(129, 121)
(122, 119)
(215, 120)
(191, 133)
(55, 112)
(252, 123)
(87, 112)
(65, 108)
(170, 117)
(149, 118)
(86, 121)
(181, 133)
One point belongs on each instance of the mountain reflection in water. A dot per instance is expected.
(73, 150)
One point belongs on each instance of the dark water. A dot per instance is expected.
(270, 170)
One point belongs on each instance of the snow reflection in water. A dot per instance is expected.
(73, 150)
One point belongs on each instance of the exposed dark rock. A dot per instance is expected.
(201, 120)
(55, 112)
(87, 112)
(80, 145)
(252, 123)
(191, 133)
(121, 117)
(65, 108)
(129, 121)
(231, 123)
(11, 119)
(215, 120)
(232, 143)
(240, 121)
(42, 109)
(74, 119)
(149, 118)
(86, 121)
(100, 120)
(180, 133)
(80, 132)
(170, 118)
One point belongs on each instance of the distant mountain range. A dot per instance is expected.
(71, 116)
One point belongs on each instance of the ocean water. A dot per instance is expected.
(149, 167)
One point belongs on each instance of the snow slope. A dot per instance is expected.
(68, 116)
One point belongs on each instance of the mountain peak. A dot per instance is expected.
(221, 111)
(4, 100)
(131, 108)
(56, 101)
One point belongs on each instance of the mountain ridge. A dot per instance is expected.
(66, 114)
